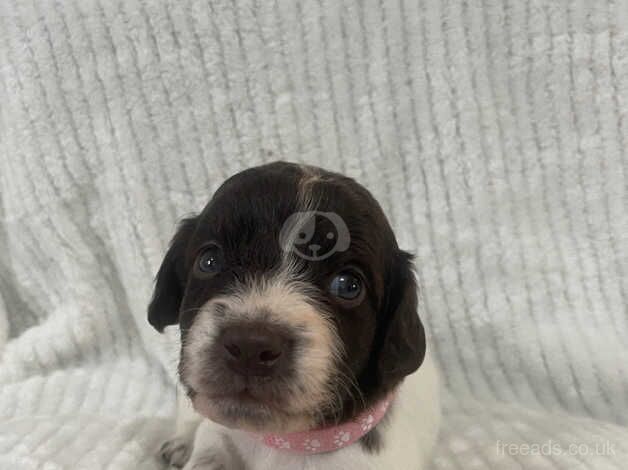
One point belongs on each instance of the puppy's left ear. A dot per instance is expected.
(403, 347)
(171, 279)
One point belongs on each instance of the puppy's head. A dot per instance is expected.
(296, 306)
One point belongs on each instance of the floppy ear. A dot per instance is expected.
(171, 278)
(403, 347)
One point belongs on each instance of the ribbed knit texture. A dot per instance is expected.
(493, 132)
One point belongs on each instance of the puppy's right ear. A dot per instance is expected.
(171, 278)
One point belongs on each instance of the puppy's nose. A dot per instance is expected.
(252, 351)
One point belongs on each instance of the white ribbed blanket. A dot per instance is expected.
(493, 132)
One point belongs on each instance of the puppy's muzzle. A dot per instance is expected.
(255, 350)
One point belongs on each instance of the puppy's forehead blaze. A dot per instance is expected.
(255, 203)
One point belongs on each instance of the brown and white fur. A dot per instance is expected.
(297, 310)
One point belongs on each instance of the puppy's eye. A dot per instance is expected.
(211, 260)
(346, 285)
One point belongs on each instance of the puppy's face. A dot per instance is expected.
(295, 304)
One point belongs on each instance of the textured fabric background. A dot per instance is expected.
(493, 132)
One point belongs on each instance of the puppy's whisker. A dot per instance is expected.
(345, 371)
(190, 310)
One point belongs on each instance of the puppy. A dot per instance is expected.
(301, 346)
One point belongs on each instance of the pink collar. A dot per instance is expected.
(332, 438)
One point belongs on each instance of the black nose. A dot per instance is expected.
(252, 350)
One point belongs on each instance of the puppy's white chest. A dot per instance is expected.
(258, 457)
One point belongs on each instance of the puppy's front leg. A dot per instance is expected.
(176, 451)
(213, 450)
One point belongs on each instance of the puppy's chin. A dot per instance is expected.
(248, 414)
